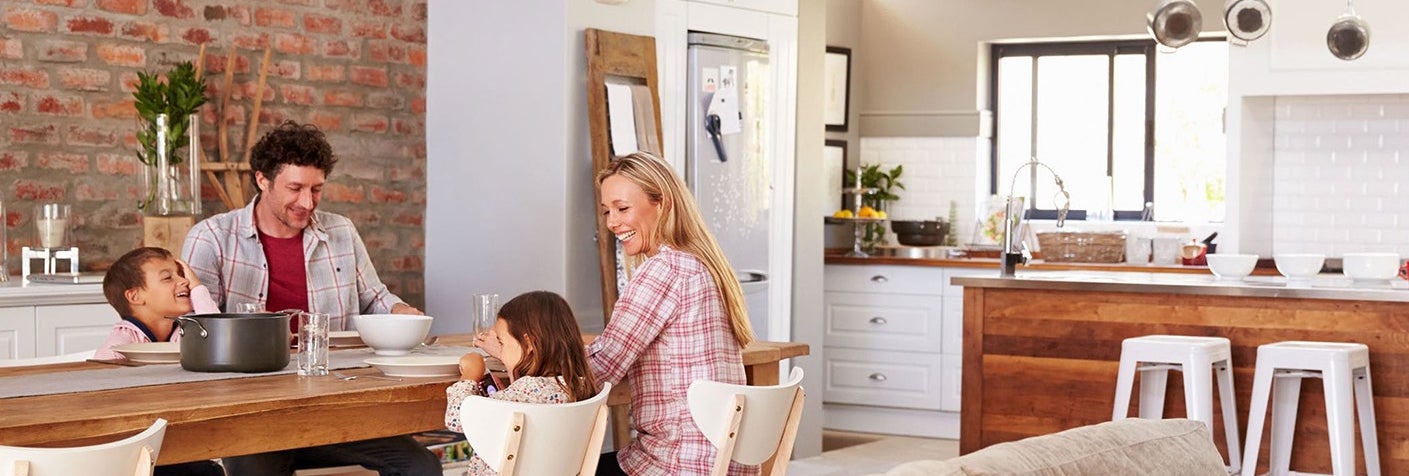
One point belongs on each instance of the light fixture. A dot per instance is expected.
(1174, 23)
(1349, 36)
(1247, 20)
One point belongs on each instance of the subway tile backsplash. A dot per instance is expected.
(937, 170)
(1341, 174)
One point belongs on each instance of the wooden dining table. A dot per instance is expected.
(220, 418)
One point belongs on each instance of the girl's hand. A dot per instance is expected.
(188, 274)
(471, 366)
(490, 343)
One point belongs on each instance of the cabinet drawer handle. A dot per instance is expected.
(878, 320)
(879, 279)
(877, 377)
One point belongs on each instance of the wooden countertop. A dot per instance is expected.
(1036, 265)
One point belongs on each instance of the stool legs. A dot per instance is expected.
(1152, 388)
(1340, 405)
(1365, 404)
(1261, 390)
(1230, 416)
(1286, 396)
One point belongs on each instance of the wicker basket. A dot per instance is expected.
(1082, 247)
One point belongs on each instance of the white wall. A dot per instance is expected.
(495, 140)
(811, 204)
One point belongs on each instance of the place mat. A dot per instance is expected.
(162, 374)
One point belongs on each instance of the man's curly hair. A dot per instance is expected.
(294, 144)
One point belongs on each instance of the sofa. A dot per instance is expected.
(1127, 447)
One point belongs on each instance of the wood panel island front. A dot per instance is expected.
(1041, 350)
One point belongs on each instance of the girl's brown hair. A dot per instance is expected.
(681, 226)
(544, 324)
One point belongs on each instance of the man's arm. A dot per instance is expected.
(201, 252)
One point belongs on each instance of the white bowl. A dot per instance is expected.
(1299, 265)
(1370, 266)
(1231, 266)
(393, 334)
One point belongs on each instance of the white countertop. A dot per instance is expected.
(1324, 286)
(16, 292)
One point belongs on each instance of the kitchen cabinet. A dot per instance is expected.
(46, 320)
(894, 344)
(1292, 59)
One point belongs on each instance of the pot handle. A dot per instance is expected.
(184, 319)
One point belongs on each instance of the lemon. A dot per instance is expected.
(881, 214)
(843, 214)
(866, 212)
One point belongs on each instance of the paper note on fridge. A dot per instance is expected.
(621, 115)
(725, 104)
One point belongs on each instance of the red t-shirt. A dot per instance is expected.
(288, 279)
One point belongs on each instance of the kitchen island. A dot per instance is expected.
(1041, 351)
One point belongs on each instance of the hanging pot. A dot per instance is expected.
(1174, 23)
(1349, 36)
(1247, 20)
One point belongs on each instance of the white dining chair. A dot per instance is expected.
(749, 424)
(53, 359)
(537, 438)
(132, 456)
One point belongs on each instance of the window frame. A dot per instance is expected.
(1109, 48)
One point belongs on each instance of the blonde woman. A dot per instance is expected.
(680, 318)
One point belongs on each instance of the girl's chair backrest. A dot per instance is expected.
(131, 456)
(749, 424)
(535, 438)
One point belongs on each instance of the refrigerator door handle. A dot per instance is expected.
(712, 125)
(752, 280)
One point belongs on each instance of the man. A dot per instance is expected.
(281, 252)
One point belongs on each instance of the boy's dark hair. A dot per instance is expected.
(544, 320)
(291, 143)
(126, 274)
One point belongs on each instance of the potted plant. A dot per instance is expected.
(885, 182)
(168, 124)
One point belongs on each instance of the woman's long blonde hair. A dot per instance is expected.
(681, 227)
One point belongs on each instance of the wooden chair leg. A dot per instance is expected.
(145, 465)
(778, 464)
(726, 452)
(21, 468)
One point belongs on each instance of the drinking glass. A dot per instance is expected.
(486, 311)
(312, 343)
(51, 222)
(249, 307)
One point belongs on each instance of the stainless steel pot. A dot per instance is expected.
(1247, 20)
(1349, 36)
(234, 342)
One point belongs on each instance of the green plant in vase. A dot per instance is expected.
(886, 182)
(167, 110)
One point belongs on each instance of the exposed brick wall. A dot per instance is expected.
(356, 68)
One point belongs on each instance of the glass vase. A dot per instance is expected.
(170, 180)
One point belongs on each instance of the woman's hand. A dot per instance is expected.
(188, 274)
(471, 366)
(490, 343)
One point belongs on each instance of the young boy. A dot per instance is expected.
(147, 286)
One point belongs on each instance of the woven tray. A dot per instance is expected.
(1082, 247)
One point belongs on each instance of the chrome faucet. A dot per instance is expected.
(1013, 250)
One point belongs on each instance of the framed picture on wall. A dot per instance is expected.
(837, 88)
(834, 167)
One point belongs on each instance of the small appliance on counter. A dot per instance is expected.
(53, 255)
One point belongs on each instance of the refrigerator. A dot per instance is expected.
(728, 161)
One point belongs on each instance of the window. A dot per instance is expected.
(1123, 125)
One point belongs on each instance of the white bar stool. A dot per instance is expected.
(1344, 369)
(1155, 355)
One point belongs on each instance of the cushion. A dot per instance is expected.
(1132, 446)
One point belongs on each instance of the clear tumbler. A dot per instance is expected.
(486, 311)
(313, 343)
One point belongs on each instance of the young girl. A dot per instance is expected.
(538, 339)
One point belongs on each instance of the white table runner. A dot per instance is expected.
(160, 374)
